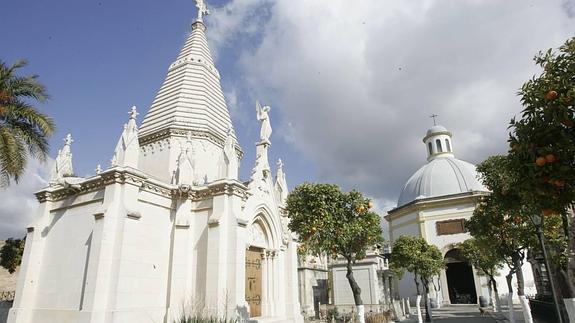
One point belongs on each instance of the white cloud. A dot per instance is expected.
(18, 206)
(356, 81)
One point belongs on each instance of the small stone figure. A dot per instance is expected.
(262, 115)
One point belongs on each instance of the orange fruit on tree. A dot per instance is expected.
(567, 123)
(540, 161)
(548, 212)
(551, 95)
(550, 158)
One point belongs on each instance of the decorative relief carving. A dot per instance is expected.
(256, 235)
(149, 140)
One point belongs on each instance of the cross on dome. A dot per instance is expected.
(433, 116)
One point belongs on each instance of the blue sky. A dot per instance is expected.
(98, 58)
(351, 84)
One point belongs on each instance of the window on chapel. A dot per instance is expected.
(430, 146)
(447, 145)
(438, 143)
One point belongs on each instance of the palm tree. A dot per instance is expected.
(24, 131)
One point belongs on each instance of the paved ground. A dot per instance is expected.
(470, 314)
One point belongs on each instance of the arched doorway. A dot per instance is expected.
(460, 281)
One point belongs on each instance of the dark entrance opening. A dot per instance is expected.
(459, 279)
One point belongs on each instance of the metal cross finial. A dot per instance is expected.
(202, 9)
(133, 112)
(434, 116)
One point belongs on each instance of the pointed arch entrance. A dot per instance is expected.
(261, 267)
(460, 279)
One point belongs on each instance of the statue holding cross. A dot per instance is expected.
(202, 9)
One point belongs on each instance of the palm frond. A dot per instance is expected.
(23, 112)
(12, 154)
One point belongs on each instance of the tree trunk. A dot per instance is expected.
(496, 300)
(509, 279)
(521, 293)
(428, 315)
(356, 292)
(418, 299)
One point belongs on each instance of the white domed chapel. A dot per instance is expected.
(434, 204)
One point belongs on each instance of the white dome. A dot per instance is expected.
(436, 129)
(441, 176)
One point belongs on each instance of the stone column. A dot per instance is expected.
(273, 282)
(281, 282)
(292, 305)
(444, 287)
(180, 287)
(265, 285)
(106, 247)
(217, 255)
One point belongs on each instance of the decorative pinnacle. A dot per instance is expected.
(133, 113)
(68, 140)
(98, 169)
(433, 116)
(202, 10)
(280, 163)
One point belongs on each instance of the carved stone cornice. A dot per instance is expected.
(111, 176)
(180, 132)
(221, 188)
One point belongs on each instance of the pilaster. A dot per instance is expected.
(24, 299)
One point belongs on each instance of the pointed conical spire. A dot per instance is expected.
(191, 97)
(128, 148)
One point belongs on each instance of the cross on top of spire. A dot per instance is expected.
(433, 116)
(68, 140)
(202, 9)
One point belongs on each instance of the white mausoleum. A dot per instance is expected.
(168, 228)
(434, 203)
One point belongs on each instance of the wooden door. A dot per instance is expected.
(254, 281)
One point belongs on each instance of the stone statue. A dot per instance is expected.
(262, 115)
(230, 156)
(63, 164)
(186, 164)
(202, 9)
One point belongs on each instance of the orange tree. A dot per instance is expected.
(542, 146)
(329, 221)
(415, 255)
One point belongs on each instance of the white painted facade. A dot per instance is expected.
(165, 229)
(445, 188)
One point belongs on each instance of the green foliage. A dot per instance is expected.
(11, 254)
(542, 141)
(329, 221)
(480, 255)
(23, 129)
(415, 255)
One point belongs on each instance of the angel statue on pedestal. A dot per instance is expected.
(262, 115)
